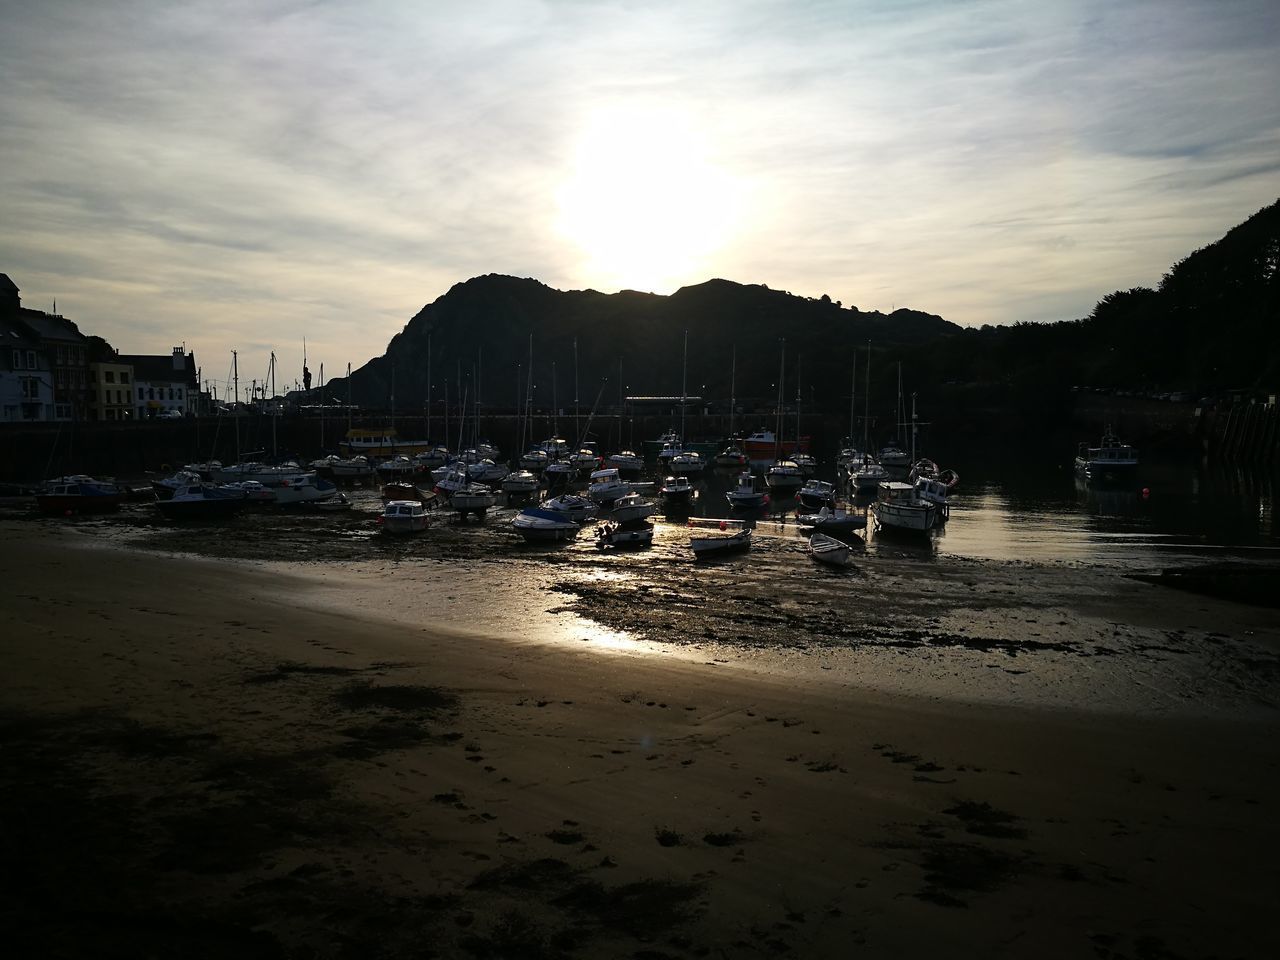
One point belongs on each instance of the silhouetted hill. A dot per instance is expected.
(486, 323)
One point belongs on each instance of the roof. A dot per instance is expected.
(15, 334)
(49, 326)
(7, 284)
(159, 369)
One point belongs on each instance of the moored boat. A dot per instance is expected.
(816, 494)
(78, 494)
(535, 524)
(632, 508)
(747, 494)
(707, 545)
(898, 507)
(828, 550)
(1110, 461)
(403, 516)
(635, 534)
(572, 506)
(202, 500)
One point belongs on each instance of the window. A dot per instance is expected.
(17, 359)
(139, 393)
(30, 388)
(124, 376)
(109, 376)
(31, 360)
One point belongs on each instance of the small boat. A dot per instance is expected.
(935, 491)
(897, 507)
(355, 468)
(397, 467)
(730, 456)
(835, 521)
(486, 471)
(676, 490)
(403, 516)
(638, 534)
(381, 442)
(520, 483)
(705, 545)
(535, 524)
(301, 488)
(335, 504)
(784, 476)
(202, 500)
(923, 467)
(473, 498)
(572, 506)
(895, 460)
(632, 508)
(763, 445)
(559, 472)
(450, 478)
(828, 550)
(867, 477)
(747, 494)
(625, 461)
(166, 488)
(671, 447)
(255, 492)
(437, 456)
(816, 494)
(1110, 461)
(807, 464)
(404, 490)
(585, 461)
(534, 460)
(687, 463)
(78, 494)
(607, 485)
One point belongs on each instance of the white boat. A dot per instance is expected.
(335, 504)
(450, 479)
(897, 507)
(672, 447)
(473, 498)
(166, 488)
(486, 471)
(867, 477)
(784, 476)
(357, 467)
(584, 461)
(816, 494)
(556, 448)
(254, 470)
(520, 482)
(895, 460)
(254, 491)
(836, 521)
(849, 458)
(730, 456)
(625, 461)
(572, 506)
(828, 550)
(747, 494)
(807, 464)
(937, 491)
(676, 490)
(301, 488)
(716, 544)
(1109, 461)
(534, 523)
(559, 472)
(397, 467)
(631, 508)
(534, 460)
(625, 535)
(404, 516)
(607, 485)
(437, 456)
(687, 463)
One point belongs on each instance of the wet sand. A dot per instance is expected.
(207, 758)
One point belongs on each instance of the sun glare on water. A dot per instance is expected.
(645, 203)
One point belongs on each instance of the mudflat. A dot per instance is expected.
(209, 758)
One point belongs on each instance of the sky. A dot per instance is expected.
(251, 174)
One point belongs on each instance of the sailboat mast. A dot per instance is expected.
(528, 402)
(349, 451)
(796, 448)
(321, 403)
(428, 404)
(733, 381)
(684, 384)
(235, 407)
(866, 412)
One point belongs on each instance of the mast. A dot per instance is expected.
(349, 451)
(321, 402)
(528, 403)
(782, 373)
(555, 413)
(235, 407)
(853, 396)
(733, 379)
(272, 372)
(428, 425)
(796, 449)
(866, 412)
(914, 428)
(684, 380)
(580, 438)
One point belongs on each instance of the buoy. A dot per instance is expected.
(1146, 493)
(723, 525)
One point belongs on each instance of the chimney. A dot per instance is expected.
(179, 358)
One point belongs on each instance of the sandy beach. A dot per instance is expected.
(206, 758)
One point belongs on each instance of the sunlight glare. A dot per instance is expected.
(644, 201)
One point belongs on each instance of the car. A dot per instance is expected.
(170, 415)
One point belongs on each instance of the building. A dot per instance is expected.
(26, 382)
(163, 386)
(111, 390)
(65, 348)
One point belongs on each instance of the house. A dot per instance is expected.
(163, 386)
(111, 390)
(26, 382)
(62, 343)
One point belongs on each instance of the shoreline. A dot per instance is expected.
(210, 753)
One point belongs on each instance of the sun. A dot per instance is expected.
(644, 202)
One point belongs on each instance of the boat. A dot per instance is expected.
(398, 466)
(335, 504)
(747, 494)
(898, 507)
(676, 490)
(807, 464)
(867, 477)
(166, 488)
(403, 516)
(632, 508)
(255, 492)
(437, 456)
(763, 446)
(923, 467)
(585, 461)
(354, 468)
(78, 494)
(472, 498)
(706, 545)
(201, 500)
(687, 463)
(1110, 461)
(559, 472)
(405, 490)
(451, 478)
(486, 471)
(571, 505)
(784, 476)
(895, 461)
(730, 457)
(828, 550)
(636, 534)
(301, 488)
(937, 490)
(625, 461)
(534, 460)
(607, 485)
(382, 443)
(519, 483)
(672, 447)
(835, 521)
(535, 524)
(816, 494)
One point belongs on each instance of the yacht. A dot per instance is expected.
(898, 507)
(747, 494)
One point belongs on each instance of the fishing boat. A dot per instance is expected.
(707, 545)
(676, 491)
(1110, 461)
(816, 494)
(897, 507)
(747, 494)
(835, 521)
(536, 524)
(571, 505)
(166, 488)
(632, 508)
(937, 490)
(201, 501)
(78, 494)
(403, 516)
(637, 534)
(828, 550)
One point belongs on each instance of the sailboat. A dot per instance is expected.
(785, 474)
(732, 455)
(867, 476)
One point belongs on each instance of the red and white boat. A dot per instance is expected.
(763, 446)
